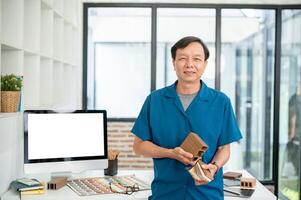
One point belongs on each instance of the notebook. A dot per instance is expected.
(19, 186)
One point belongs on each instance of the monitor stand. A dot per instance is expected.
(67, 174)
(76, 175)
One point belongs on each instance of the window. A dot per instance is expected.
(119, 47)
(119, 43)
(172, 25)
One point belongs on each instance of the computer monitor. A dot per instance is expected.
(64, 141)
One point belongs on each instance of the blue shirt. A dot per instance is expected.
(163, 121)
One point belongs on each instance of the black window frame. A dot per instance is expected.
(218, 7)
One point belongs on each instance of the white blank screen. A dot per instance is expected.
(65, 135)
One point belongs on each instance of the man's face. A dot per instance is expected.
(190, 63)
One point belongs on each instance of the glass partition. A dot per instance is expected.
(290, 106)
(247, 71)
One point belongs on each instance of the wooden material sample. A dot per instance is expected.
(248, 183)
(197, 147)
(232, 175)
(194, 145)
(57, 183)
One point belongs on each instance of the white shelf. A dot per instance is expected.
(46, 31)
(75, 45)
(58, 31)
(68, 43)
(58, 7)
(28, 52)
(46, 80)
(58, 85)
(39, 41)
(67, 83)
(47, 3)
(11, 61)
(12, 27)
(31, 90)
(0, 39)
(32, 17)
(36, 34)
(70, 80)
(70, 10)
(8, 115)
(74, 80)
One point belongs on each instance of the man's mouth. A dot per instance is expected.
(189, 72)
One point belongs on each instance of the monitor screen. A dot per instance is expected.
(57, 141)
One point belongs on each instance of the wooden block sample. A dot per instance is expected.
(56, 183)
(248, 183)
(194, 145)
(232, 175)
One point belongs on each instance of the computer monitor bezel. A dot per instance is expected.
(52, 160)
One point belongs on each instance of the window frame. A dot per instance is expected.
(218, 7)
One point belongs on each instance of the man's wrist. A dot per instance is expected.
(216, 165)
(170, 154)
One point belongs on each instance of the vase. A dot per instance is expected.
(10, 101)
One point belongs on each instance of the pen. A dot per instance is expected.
(232, 192)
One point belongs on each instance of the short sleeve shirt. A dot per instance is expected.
(163, 121)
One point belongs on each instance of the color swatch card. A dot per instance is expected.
(107, 185)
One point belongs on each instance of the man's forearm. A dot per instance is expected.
(222, 155)
(149, 149)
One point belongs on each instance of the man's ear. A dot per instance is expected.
(205, 64)
(173, 63)
(204, 67)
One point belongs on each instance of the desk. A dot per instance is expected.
(66, 193)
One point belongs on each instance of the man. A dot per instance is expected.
(293, 145)
(170, 114)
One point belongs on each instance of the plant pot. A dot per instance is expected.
(10, 101)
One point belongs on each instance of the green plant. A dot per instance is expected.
(11, 82)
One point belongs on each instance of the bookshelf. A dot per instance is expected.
(39, 40)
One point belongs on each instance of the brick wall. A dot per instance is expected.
(120, 138)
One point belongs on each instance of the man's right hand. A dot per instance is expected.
(183, 156)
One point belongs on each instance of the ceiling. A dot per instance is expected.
(283, 2)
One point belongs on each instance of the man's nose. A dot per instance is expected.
(189, 63)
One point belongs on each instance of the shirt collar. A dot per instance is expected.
(202, 95)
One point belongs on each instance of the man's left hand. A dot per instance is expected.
(212, 169)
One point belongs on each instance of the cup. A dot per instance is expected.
(112, 168)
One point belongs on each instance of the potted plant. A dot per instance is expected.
(10, 92)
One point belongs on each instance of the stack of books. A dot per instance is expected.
(28, 186)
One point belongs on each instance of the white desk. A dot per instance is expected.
(66, 193)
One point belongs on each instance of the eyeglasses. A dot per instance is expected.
(128, 189)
